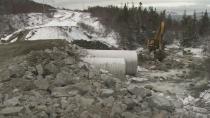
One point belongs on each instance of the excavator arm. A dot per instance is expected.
(157, 42)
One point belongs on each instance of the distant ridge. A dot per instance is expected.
(23, 6)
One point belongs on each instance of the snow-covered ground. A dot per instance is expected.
(69, 25)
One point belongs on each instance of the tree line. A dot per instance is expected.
(135, 24)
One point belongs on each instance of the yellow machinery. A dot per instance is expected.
(156, 43)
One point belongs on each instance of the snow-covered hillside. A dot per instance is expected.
(65, 24)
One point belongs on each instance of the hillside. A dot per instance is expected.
(22, 6)
(64, 24)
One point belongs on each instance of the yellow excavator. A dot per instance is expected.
(156, 44)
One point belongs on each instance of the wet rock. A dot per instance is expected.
(107, 92)
(139, 91)
(11, 110)
(161, 103)
(42, 84)
(39, 69)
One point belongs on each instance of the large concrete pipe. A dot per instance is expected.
(116, 66)
(130, 57)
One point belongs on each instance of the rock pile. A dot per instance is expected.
(55, 83)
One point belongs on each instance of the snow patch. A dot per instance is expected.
(196, 52)
(65, 25)
(205, 96)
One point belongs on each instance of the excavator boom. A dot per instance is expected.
(157, 42)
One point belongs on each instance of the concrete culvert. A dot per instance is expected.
(116, 66)
(130, 57)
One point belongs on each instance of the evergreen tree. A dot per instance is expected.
(184, 19)
(204, 24)
(187, 33)
(169, 21)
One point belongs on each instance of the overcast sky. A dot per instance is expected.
(171, 5)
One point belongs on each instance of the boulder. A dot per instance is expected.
(86, 102)
(69, 61)
(108, 101)
(129, 115)
(29, 75)
(63, 78)
(139, 91)
(161, 114)
(86, 114)
(131, 103)
(12, 102)
(39, 69)
(42, 84)
(51, 68)
(107, 92)
(16, 70)
(161, 103)
(11, 110)
(117, 109)
(59, 92)
(110, 82)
